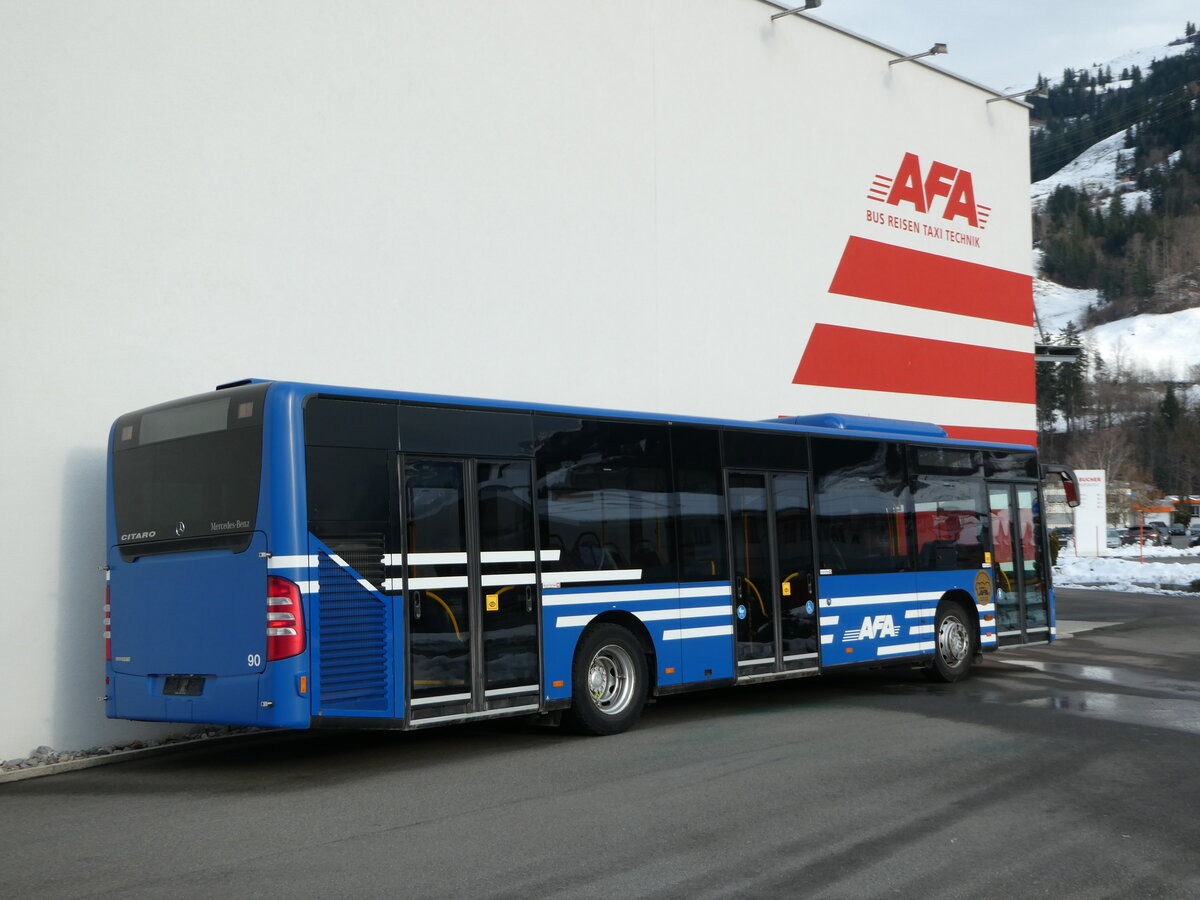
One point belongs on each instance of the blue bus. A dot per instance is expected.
(308, 556)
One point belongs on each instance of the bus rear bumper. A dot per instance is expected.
(229, 700)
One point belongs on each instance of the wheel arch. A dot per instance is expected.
(634, 626)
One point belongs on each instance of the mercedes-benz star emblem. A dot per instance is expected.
(179, 529)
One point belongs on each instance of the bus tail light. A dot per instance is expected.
(285, 619)
(107, 623)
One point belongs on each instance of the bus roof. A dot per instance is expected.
(823, 424)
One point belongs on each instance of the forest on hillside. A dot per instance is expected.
(1143, 257)
(1109, 414)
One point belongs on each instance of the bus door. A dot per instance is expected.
(1022, 613)
(774, 580)
(470, 587)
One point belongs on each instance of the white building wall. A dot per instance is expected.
(632, 204)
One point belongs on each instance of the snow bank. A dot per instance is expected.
(1120, 570)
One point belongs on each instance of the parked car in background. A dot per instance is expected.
(1112, 538)
(1139, 535)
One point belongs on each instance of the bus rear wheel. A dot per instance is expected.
(608, 681)
(954, 644)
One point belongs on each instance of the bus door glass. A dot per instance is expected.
(471, 586)
(1021, 599)
(774, 585)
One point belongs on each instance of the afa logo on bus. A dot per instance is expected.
(937, 188)
(873, 628)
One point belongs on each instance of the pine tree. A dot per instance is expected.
(1072, 379)
(1169, 410)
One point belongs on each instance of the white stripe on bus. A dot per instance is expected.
(292, 562)
(426, 559)
(454, 558)
(842, 602)
(458, 717)
(894, 649)
(513, 578)
(634, 595)
(440, 698)
(508, 692)
(651, 615)
(553, 579)
(683, 634)
(755, 662)
(429, 584)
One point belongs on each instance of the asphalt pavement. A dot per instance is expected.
(1067, 770)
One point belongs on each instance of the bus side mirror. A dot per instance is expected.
(1069, 481)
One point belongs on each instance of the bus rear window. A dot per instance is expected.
(186, 476)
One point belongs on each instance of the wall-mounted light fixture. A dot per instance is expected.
(808, 4)
(932, 51)
(1042, 92)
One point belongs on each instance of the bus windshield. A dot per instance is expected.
(186, 476)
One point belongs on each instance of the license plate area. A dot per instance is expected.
(184, 685)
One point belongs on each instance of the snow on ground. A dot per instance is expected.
(1120, 569)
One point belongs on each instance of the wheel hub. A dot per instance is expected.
(954, 642)
(610, 680)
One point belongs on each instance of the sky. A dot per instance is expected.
(1006, 45)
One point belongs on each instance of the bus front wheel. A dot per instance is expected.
(954, 644)
(608, 681)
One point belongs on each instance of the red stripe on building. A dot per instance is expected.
(999, 435)
(842, 357)
(876, 271)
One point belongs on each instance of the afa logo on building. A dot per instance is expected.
(936, 189)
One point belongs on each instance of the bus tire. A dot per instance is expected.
(609, 681)
(954, 644)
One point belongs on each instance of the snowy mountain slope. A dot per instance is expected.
(1094, 170)
(1143, 59)
(1164, 345)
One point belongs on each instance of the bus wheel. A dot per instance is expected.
(955, 644)
(608, 681)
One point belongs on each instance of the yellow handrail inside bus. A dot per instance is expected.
(761, 605)
(449, 612)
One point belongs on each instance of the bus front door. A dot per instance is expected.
(1022, 612)
(471, 588)
(774, 581)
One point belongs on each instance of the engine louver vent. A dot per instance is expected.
(355, 638)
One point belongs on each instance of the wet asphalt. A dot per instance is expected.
(1069, 770)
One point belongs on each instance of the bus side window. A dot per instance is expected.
(862, 501)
